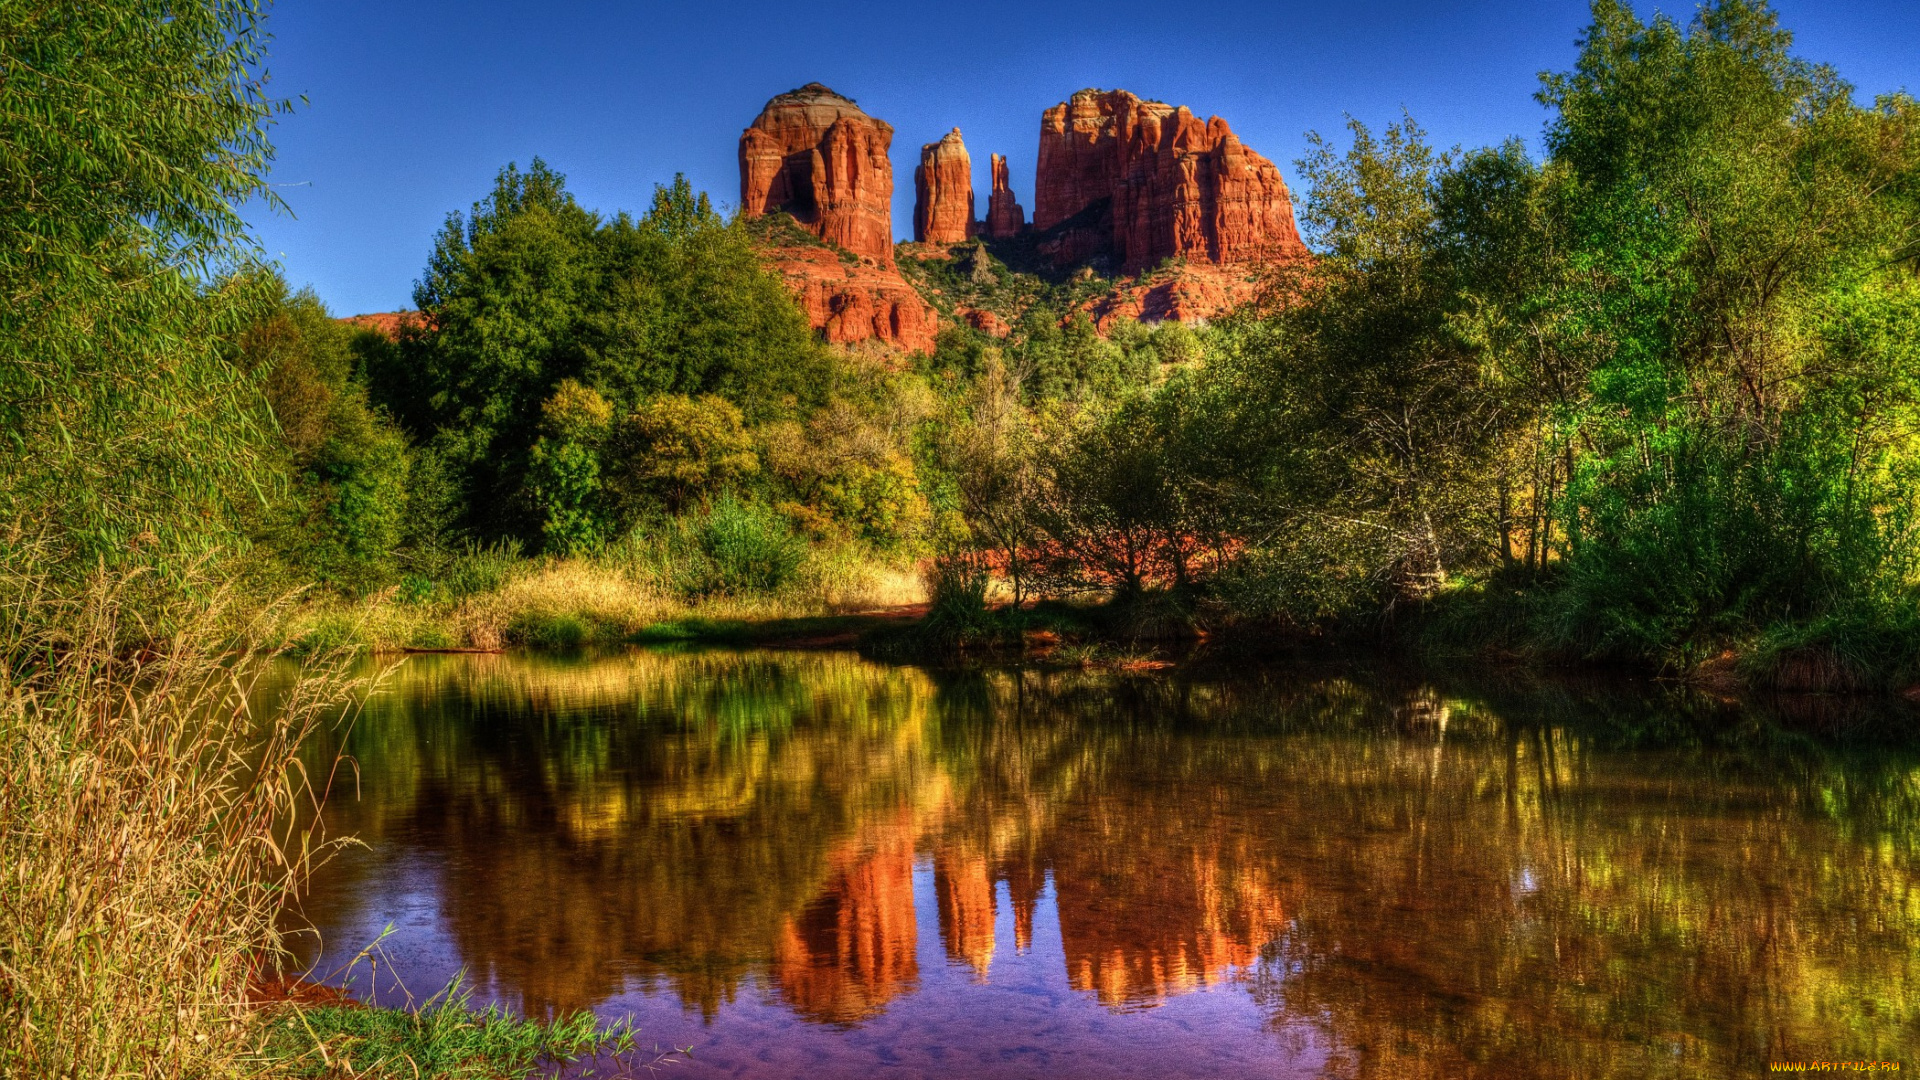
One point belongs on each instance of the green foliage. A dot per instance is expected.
(1745, 449)
(563, 473)
(957, 601)
(445, 1037)
(748, 549)
(673, 450)
(1662, 383)
(1073, 361)
(530, 290)
(345, 513)
(130, 134)
(849, 470)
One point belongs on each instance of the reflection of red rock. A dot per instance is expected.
(943, 192)
(964, 888)
(853, 949)
(1005, 218)
(855, 301)
(1144, 181)
(1025, 879)
(814, 154)
(1139, 935)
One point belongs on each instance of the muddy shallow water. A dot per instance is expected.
(810, 864)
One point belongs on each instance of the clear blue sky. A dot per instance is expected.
(414, 106)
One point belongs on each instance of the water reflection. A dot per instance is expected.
(877, 869)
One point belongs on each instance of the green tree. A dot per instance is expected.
(530, 290)
(564, 480)
(1364, 414)
(992, 451)
(130, 135)
(344, 514)
(674, 450)
(1730, 203)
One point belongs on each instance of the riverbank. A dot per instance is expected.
(570, 603)
(887, 611)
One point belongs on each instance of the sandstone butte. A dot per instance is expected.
(943, 193)
(1005, 218)
(1141, 181)
(817, 156)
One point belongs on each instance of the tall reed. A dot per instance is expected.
(146, 785)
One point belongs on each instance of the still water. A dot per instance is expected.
(810, 864)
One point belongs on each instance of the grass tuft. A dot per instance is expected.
(444, 1038)
(147, 776)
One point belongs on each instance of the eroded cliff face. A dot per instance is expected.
(816, 155)
(1140, 181)
(1121, 183)
(855, 302)
(1005, 218)
(943, 192)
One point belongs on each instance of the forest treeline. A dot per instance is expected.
(1648, 395)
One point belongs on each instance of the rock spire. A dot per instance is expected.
(943, 192)
(1005, 218)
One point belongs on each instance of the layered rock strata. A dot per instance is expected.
(1140, 181)
(816, 155)
(943, 192)
(1005, 218)
(854, 302)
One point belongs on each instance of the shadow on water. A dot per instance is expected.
(813, 861)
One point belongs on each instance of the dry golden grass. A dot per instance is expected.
(144, 794)
(575, 601)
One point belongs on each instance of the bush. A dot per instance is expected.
(747, 548)
(437, 574)
(957, 598)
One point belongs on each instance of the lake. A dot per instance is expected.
(812, 864)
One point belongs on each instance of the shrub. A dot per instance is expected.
(747, 548)
(957, 599)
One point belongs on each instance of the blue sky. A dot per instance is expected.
(412, 107)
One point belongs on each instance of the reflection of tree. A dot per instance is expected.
(641, 819)
(1451, 890)
(1445, 883)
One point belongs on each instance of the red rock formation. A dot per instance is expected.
(387, 324)
(853, 302)
(985, 321)
(1005, 218)
(815, 155)
(1186, 293)
(1142, 181)
(943, 192)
